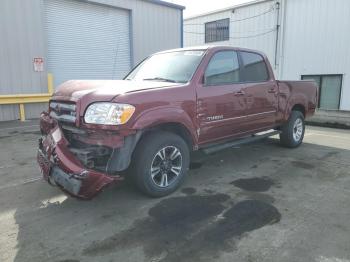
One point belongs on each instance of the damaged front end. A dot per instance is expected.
(81, 161)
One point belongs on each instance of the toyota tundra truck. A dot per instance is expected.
(145, 126)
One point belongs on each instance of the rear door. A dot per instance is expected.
(261, 92)
(220, 98)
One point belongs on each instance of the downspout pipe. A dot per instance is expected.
(283, 8)
(277, 32)
(182, 28)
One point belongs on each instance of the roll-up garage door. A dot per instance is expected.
(86, 41)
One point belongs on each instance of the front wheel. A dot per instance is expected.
(160, 163)
(293, 131)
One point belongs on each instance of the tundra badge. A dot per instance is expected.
(213, 118)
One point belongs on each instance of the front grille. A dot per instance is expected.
(91, 156)
(62, 111)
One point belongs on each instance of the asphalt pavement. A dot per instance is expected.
(258, 202)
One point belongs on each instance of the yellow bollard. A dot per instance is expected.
(22, 113)
(50, 83)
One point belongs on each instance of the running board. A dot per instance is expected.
(258, 136)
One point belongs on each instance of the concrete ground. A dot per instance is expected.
(331, 118)
(260, 202)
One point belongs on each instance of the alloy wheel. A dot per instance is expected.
(166, 166)
(298, 129)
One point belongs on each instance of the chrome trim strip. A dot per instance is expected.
(239, 117)
(70, 107)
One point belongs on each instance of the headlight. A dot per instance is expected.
(108, 113)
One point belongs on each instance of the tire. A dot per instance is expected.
(293, 131)
(149, 157)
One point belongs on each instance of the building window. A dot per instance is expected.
(254, 67)
(217, 30)
(329, 90)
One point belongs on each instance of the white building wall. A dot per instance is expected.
(256, 32)
(317, 41)
(313, 38)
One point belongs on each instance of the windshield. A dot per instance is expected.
(177, 67)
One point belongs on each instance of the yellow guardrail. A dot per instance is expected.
(22, 99)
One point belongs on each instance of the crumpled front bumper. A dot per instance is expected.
(60, 167)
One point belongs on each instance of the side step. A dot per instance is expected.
(242, 141)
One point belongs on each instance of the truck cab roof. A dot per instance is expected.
(211, 48)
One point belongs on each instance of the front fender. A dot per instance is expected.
(164, 115)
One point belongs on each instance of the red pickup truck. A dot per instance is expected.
(172, 103)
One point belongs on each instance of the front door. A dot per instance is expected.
(220, 98)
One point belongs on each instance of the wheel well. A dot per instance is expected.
(175, 128)
(299, 108)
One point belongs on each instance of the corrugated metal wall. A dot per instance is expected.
(87, 41)
(22, 39)
(153, 28)
(250, 27)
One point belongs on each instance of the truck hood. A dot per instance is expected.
(104, 90)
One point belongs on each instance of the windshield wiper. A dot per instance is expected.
(161, 79)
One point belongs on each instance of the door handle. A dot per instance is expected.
(272, 90)
(240, 93)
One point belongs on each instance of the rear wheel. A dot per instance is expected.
(293, 131)
(160, 163)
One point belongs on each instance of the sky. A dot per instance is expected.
(195, 7)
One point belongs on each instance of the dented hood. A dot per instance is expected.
(104, 90)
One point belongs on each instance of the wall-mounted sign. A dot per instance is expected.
(38, 63)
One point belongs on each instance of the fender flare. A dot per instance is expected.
(297, 99)
(121, 157)
(164, 115)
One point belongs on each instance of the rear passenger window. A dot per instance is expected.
(254, 68)
(222, 69)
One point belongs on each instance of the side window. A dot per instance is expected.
(222, 69)
(254, 68)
